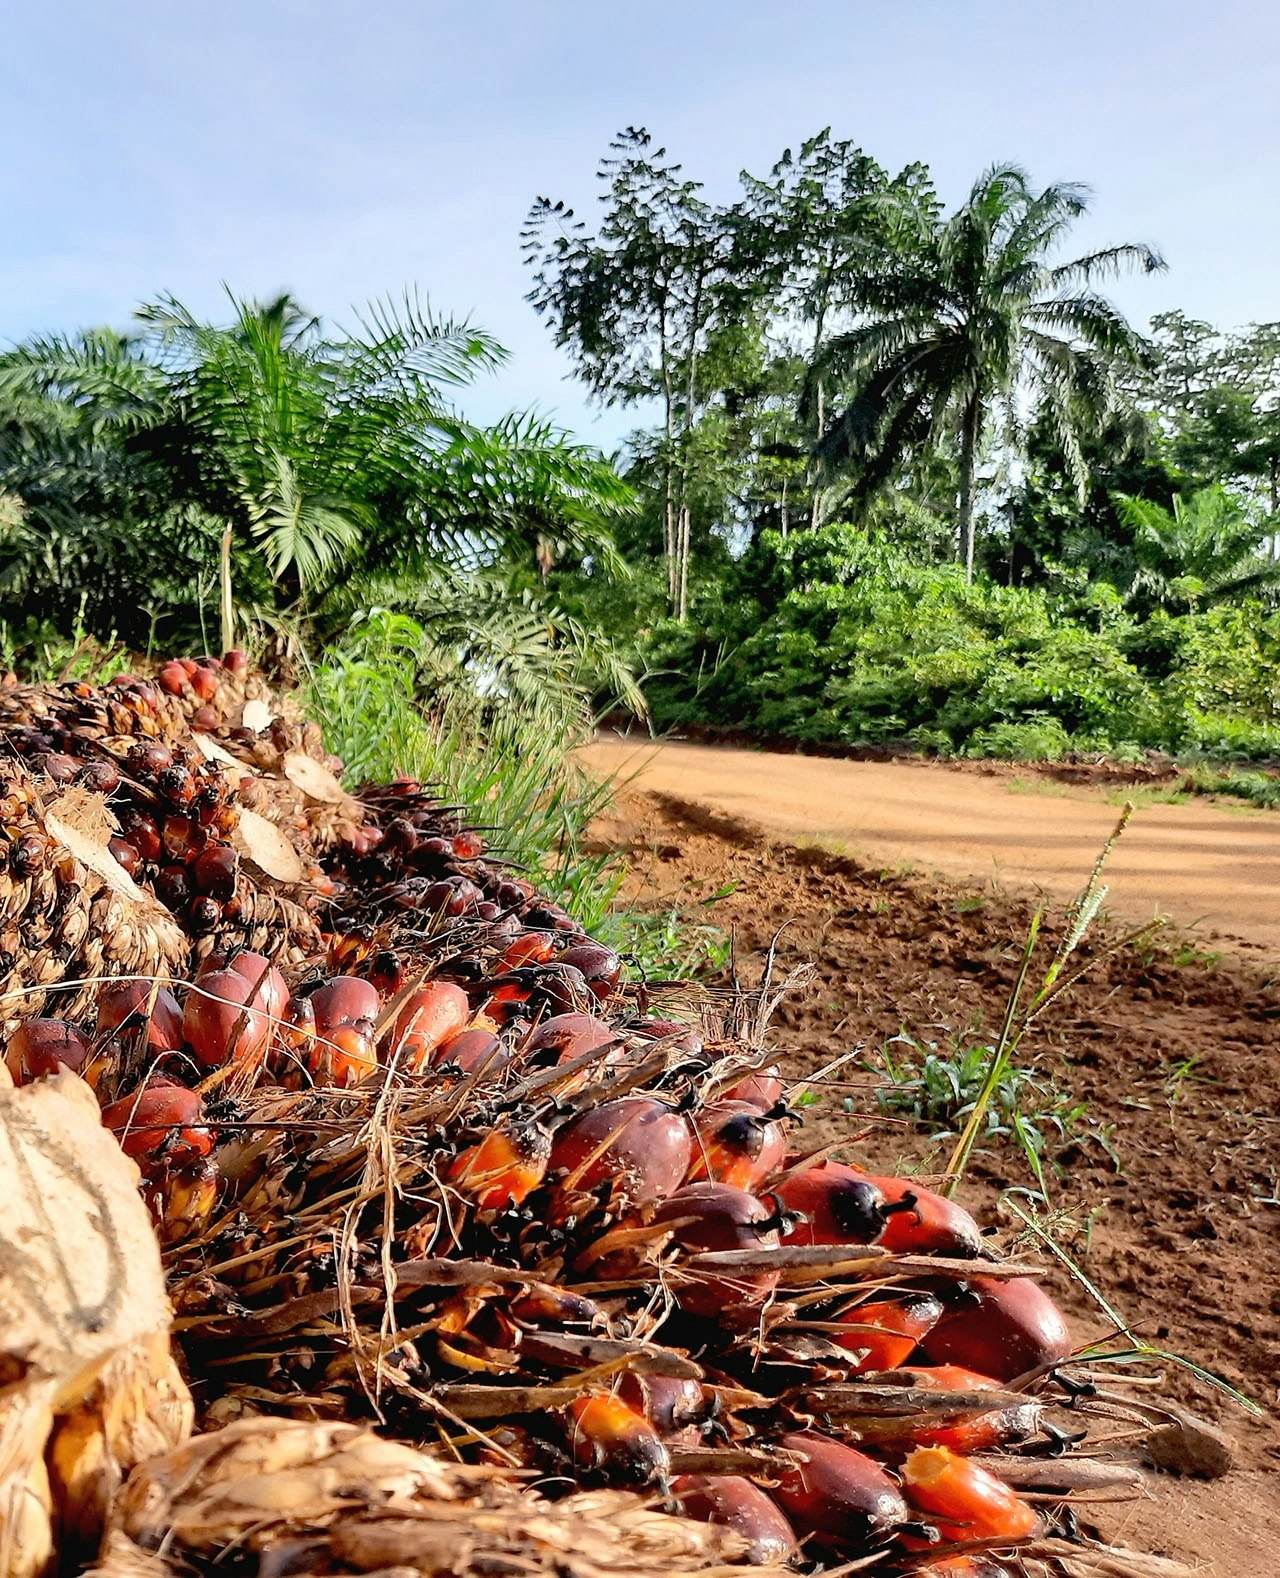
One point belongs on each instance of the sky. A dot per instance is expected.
(344, 150)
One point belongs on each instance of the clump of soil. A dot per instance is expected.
(1177, 1057)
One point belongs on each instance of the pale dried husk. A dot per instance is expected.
(84, 1328)
(335, 1498)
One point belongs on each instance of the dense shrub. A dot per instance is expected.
(830, 636)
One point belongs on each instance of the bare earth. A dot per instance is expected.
(910, 888)
(1212, 867)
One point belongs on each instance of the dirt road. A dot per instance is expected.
(1213, 869)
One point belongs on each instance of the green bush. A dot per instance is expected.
(830, 636)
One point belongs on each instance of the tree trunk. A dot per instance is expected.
(224, 587)
(970, 431)
(682, 604)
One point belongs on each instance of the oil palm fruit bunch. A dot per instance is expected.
(409, 1135)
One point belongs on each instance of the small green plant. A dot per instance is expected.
(938, 1089)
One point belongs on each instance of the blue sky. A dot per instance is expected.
(344, 150)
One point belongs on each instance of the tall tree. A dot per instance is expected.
(969, 324)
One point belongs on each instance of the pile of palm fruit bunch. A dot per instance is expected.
(478, 1260)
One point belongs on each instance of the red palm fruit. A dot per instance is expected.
(344, 1056)
(206, 719)
(887, 1332)
(504, 1168)
(467, 845)
(530, 947)
(840, 1496)
(965, 1501)
(160, 1122)
(183, 838)
(673, 1407)
(999, 1328)
(978, 1432)
(270, 987)
(43, 1046)
(933, 1226)
(741, 1506)
(432, 1014)
(614, 1441)
(225, 1019)
(172, 678)
(762, 1090)
(188, 665)
(124, 855)
(601, 967)
(215, 871)
(736, 1144)
(102, 776)
(564, 1037)
(638, 1145)
(205, 683)
(345, 1000)
(711, 1217)
(122, 1005)
(235, 661)
(836, 1204)
(472, 1052)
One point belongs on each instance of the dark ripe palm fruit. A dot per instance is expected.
(345, 1000)
(472, 1052)
(433, 1014)
(965, 1501)
(467, 845)
(736, 1144)
(173, 887)
(885, 1333)
(715, 1217)
(236, 661)
(206, 719)
(762, 1089)
(504, 1168)
(142, 831)
(124, 855)
(126, 1007)
(637, 1145)
(741, 1506)
(203, 915)
(601, 968)
(836, 1204)
(43, 1046)
(102, 776)
(28, 855)
(215, 869)
(933, 1226)
(386, 972)
(840, 1497)
(225, 1019)
(61, 769)
(148, 761)
(178, 786)
(674, 1407)
(999, 1328)
(161, 1122)
(615, 1442)
(564, 1037)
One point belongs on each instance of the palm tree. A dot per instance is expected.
(303, 457)
(1207, 549)
(965, 320)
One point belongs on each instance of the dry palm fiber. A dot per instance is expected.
(309, 1498)
(90, 1388)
